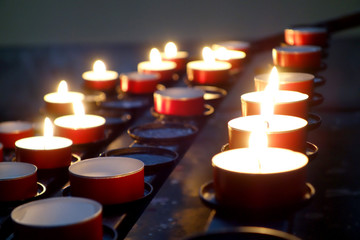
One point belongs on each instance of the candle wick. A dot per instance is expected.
(259, 162)
(267, 124)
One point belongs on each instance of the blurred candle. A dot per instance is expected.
(172, 54)
(234, 57)
(100, 78)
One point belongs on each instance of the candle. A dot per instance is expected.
(208, 71)
(234, 57)
(46, 151)
(179, 101)
(306, 36)
(139, 83)
(285, 102)
(297, 57)
(291, 81)
(165, 69)
(11, 131)
(173, 55)
(100, 78)
(234, 45)
(259, 177)
(60, 102)
(80, 127)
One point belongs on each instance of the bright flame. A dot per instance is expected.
(222, 53)
(268, 102)
(48, 128)
(63, 87)
(258, 142)
(208, 55)
(78, 109)
(155, 56)
(99, 67)
(170, 50)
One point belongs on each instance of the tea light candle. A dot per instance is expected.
(100, 78)
(80, 127)
(298, 57)
(179, 101)
(291, 81)
(11, 131)
(139, 83)
(234, 45)
(234, 57)
(60, 102)
(253, 180)
(46, 151)
(165, 69)
(208, 71)
(306, 36)
(173, 55)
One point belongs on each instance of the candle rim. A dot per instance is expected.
(225, 66)
(76, 95)
(307, 29)
(65, 143)
(179, 55)
(147, 65)
(298, 49)
(255, 97)
(31, 167)
(26, 126)
(108, 75)
(194, 93)
(60, 119)
(302, 157)
(101, 160)
(139, 76)
(287, 77)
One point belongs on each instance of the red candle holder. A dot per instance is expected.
(18, 181)
(285, 103)
(100, 78)
(291, 81)
(283, 132)
(81, 129)
(61, 104)
(234, 57)
(234, 45)
(179, 101)
(180, 59)
(99, 179)
(299, 36)
(139, 83)
(11, 131)
(199, 72)
(242, 181)
(165, 69)
(44, 152)
(68, 218)
(300, 57)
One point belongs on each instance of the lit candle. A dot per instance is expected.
(45, 151)
(60, 102)
(234, 45)
(285, 102)
(172, 54)
(297, 57)
(80, 127)
(179, 101)
(306, 36)
(259, 177)
(139, 83)
(291, 81)
(166, 69)
(234, 57)
(100, 78)
(208, 71)
(11, 131)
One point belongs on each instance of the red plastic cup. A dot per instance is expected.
(299, 57)
(166, 69)
(11, 131)
(102, 82)
(234, 45)
(199, 72)
(300, 36)
(180, 59)
(139, 83)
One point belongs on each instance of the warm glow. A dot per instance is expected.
(48, 128)
(63, 87)
(222, 53)
(78, 109)
(258, 143)
(155, 56)
(270, 92)
(99, 67)
(170, 50)
(208, 55)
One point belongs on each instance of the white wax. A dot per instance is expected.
(230, 54)
(179, 55)
(204, 66)
(179, 93)
(271, 160)
(277, 123)
(161, 66)
(281, 96)
(78, 122)
(68, 97)
(139, 77)
(59, 211)
(287, 77)
(100, 76)
(43, 143)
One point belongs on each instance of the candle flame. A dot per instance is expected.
(170, 50)
(79, 109)
(208, 55)
(222, 53)
(48, 128)
(155, 56)
(99, 67)
(258, 142)
(268, 101)
(63, 87)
